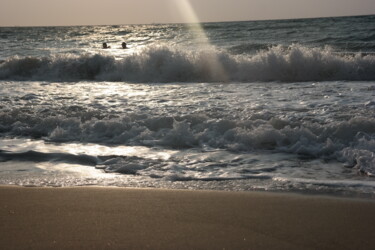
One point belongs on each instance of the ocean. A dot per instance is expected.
(279, 105)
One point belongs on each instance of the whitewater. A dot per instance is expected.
(282, 105)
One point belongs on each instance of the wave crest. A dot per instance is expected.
(173, 64)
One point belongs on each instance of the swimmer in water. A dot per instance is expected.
(105, 46)
(124, 45)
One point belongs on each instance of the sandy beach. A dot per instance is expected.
(120, 218)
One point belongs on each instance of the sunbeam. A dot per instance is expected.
(214, 66)
(187, 11)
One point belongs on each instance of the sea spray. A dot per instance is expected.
(166, 64)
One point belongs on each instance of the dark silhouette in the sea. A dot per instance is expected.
(105, 46)
(124, 45)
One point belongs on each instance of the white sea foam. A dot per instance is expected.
(173, 64)
(328, 121)
(345, 141)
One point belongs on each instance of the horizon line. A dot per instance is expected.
(166, 23)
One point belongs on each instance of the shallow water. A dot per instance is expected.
(315, 136)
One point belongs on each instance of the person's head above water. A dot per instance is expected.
(105, 46)
(124, 45)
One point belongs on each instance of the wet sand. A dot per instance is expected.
(120, 218)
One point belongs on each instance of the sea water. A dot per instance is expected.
(282, 105)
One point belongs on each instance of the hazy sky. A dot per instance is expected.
(82, 12)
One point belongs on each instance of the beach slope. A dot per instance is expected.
(120, 218)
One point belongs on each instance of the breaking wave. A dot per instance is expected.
(171, 64)
(351, 142)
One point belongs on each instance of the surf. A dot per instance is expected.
(168, 64)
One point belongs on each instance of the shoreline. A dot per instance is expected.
(350, 195)
(133, 218)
